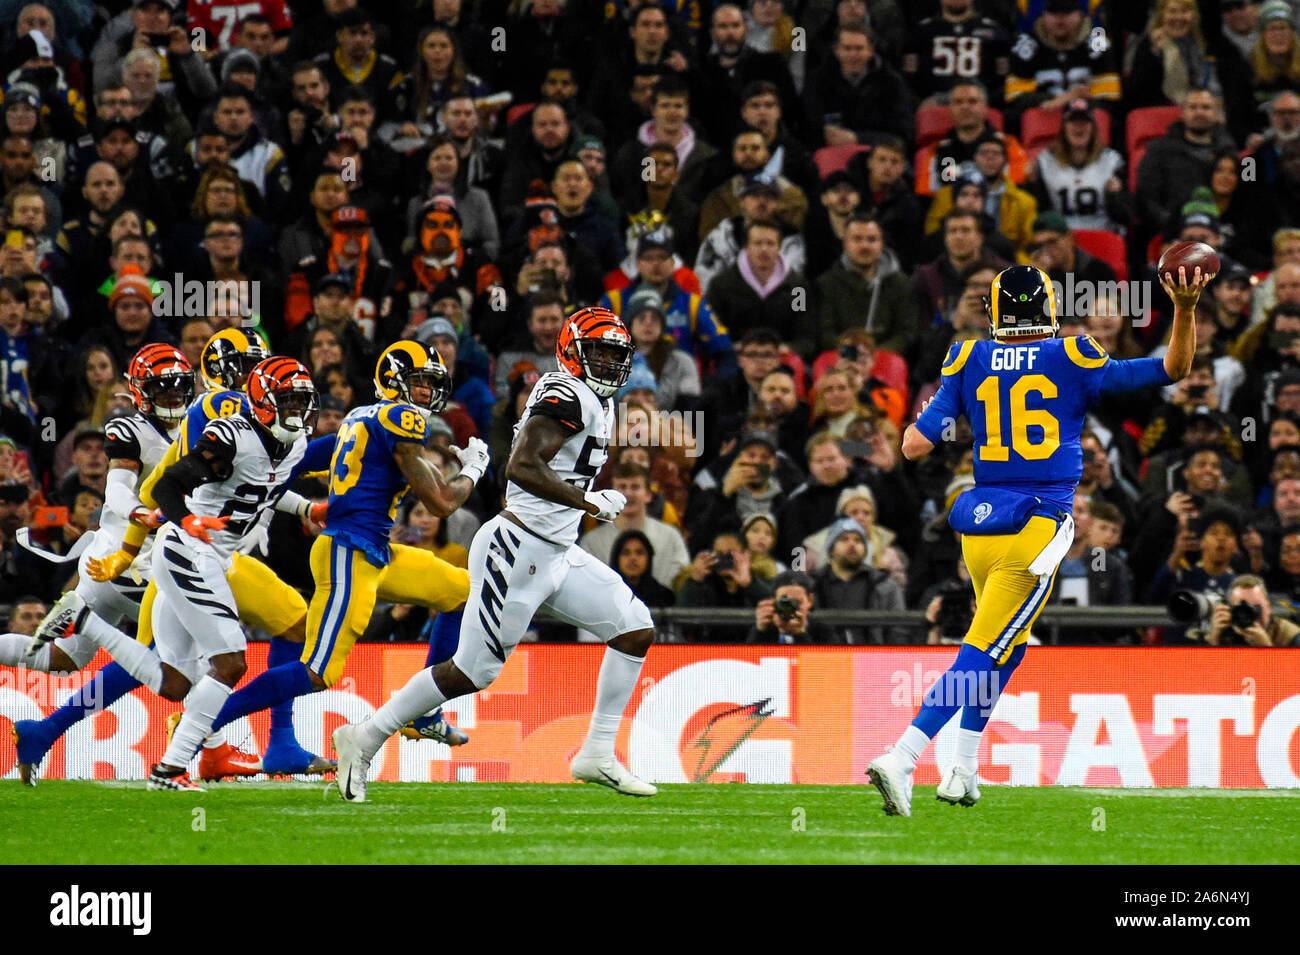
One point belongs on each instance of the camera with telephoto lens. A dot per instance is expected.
(786, 607)
(1190, 607)
(954, 617)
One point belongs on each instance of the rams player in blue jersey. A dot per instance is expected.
(261, 598)
(1025, 394)
(379, 456)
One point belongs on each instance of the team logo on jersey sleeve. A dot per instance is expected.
(982, 511)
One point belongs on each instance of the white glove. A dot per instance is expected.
(609, 504)
(474, 459)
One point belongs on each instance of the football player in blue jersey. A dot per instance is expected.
(1025, 393)
(379, 456)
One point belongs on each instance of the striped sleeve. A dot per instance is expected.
(121, 442)
(557, 399)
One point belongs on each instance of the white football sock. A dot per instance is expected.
(614, 686)
(968, 748)
(13, 650)
(911, 745)
(419, 696)
(202, 705)
(215, 739)
(131, 655)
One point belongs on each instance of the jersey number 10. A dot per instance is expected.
(1022, 418)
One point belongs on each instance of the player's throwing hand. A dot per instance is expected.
(1185, 293)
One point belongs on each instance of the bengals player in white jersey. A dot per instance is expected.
(527, 558)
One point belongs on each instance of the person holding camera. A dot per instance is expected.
(721, 577)
(785, 617)
(1247, 619)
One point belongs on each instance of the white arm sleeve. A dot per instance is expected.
(291, 502)
(119, 495)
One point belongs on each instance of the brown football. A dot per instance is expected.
(1189, 255)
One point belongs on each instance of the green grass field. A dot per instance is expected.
(87, 823)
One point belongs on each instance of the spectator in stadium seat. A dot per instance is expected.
(1247, 215)
(27, 615)
(941, 162)
(1229, 375)
(356, 61)
(1282, 512)
(675, 372)
(761, 108)
(669, 549)
(760, 198)
(482, 157)
(134, 324)
(438, 73)
(867, 289)
(753, 480)
(84, 238)
(536, 347)
(1271, 354)
(536, 157)
(1267, 293)
(886, 194)
(578, 217)
(968, 320)
(763, 290)
(731, 67)
(1064, 58)
(660, 200)
(1052, 248)
(827, 220)
(859, 505)
(707, 586)
(1283, 574)
(1090, 576)
(649, 44)
(1011, 208)
(856, 96)
(669, 123)
(847, 581)
(1174, 59)
(797, 628)
(190, 82)
(750, 159)
(89, 467)
(1241, 25)
(333, 307)
(812, 505)
(1079, 176)
(772, 30)
(928, 53)
(1202, 556)
(1265, 147)
(970, 194)
(939, 285)
(690, 320)
(1269, 630)
(730, 401)
(632, 555)
(1274, 59)
(1183, 158)
(1103, 483)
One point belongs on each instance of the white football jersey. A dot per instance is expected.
(131, 438)
(1079, 194)
(255, 483)
(563, 397)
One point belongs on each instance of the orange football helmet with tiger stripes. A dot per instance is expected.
(283, 397)
(595, 347)
(160, 382)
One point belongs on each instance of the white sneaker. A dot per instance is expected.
(608, 771)
(64, 619)
(889, 774)
(959, 787)
(353, 766)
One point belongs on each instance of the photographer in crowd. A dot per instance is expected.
(785, 617)
(1247, 619)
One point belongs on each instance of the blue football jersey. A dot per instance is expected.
(366, 485)
(214, 404)
(1026, 405)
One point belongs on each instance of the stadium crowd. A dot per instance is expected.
(796, 207)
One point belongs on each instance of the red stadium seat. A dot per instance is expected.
(1107, 246)
(933, 123)
(1038, 127)
(517, 112)
(1147, 124)
(831, 159)
(800, 372)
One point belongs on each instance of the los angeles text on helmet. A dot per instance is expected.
(1131, 299)
(179, 298)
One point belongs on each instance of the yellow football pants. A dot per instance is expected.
(262, 599)
(1008, 598)
(348, 586)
